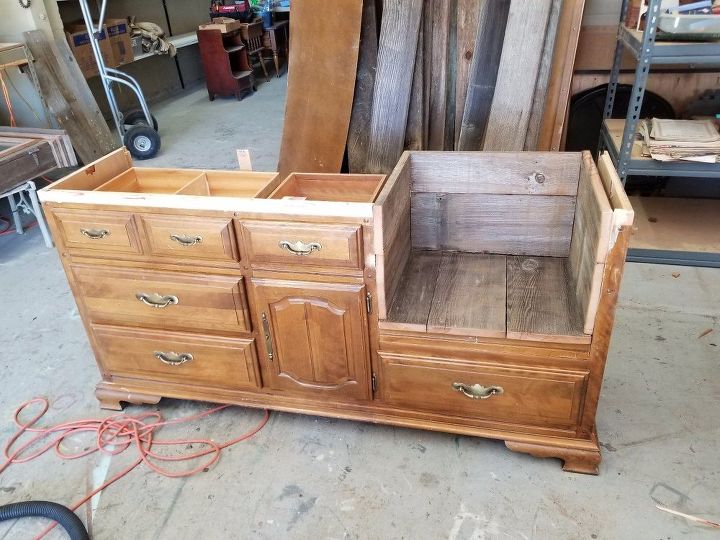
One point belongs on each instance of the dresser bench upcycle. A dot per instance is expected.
(467, 292)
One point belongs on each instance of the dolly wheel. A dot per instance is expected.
(137, 117)
(142, 141)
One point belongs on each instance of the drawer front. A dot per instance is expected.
(163, 299)
(98, 233)
(177, 357)
(516, 394)
(302, 244)
(190, 238)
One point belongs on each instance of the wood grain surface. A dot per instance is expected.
(541, 304)
(469, 296)
(483, 73)
(359, 131)
(468, 18)
(393, 82)
(517, 75)
(439, 75)
(321, 82)
(413, 298)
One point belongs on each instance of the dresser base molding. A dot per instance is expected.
(579, 455)
(112, 398)
(585, 461)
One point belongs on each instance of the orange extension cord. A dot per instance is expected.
(114, 435)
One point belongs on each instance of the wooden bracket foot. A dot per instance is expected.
(112, 398)
(575, 459)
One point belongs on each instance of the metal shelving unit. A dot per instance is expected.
(618, 137)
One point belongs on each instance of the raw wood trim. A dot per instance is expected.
(614, 190)
(469, 296)
(391, 241)
(541, 304)
(316, 130)
(496, 173)
(483, 73)
(393, 82)
(517, 75)
(359, 131)
(590, 242)
(508, 224)
(543, 78)
(558, 94)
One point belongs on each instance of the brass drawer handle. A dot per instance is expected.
(477, 391)
(157, 300)
(172, 358)
(94, 234)
(299, 247)
(186, 240)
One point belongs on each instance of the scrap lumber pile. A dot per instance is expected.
(427, 75)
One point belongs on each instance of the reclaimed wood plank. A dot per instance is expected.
(415, 132)
(468, 18)
(590, 240)
(359, 131)
(483, 74)
(393, 82)
(541, 85)
(519, 64)
(541, 305)
(469, 296)
(68, 97)
(496, 172)
(511, 224)
(410, 307)
(438, 77)
(320, 93)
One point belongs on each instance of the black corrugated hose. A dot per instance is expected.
(57, 512)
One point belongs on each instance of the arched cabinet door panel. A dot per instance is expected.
(314, 337)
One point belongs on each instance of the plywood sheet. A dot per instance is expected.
(321, 83)
(510, 224)
(469, 296)
(541, 304)
(517, 75)
(393, 82)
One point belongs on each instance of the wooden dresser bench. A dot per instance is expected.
(467, 292)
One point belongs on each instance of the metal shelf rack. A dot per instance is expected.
(618, 137)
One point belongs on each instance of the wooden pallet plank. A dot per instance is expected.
(541, 304)
(469, 296)
(483, 74)
(321, 82)
(359, 131)
(68, 97)
(517, 75)
(393, 82)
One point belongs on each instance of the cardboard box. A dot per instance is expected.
(119, 35)
(224, 24)
(79, 41)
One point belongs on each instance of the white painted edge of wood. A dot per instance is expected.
(219, 204)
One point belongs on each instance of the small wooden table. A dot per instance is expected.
(276, 39)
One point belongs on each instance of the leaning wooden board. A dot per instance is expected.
(325, 39)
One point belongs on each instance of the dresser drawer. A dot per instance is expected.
(189, 238)
(165, 300)
(302, 244)
(98, 233)
(177, 357)
(545, 397)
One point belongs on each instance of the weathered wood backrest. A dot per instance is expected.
(494, 202)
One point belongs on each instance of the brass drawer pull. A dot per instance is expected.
(94, 234)
(157, 300)
(186, 240)
(299, 247)
(172, 358)
(477, 391)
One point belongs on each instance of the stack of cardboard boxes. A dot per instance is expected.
(115, 45)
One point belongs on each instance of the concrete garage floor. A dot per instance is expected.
(312, 478)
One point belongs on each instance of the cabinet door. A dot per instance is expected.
(316, 337)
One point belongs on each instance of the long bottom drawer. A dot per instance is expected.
(177, 357)
(518, 394)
